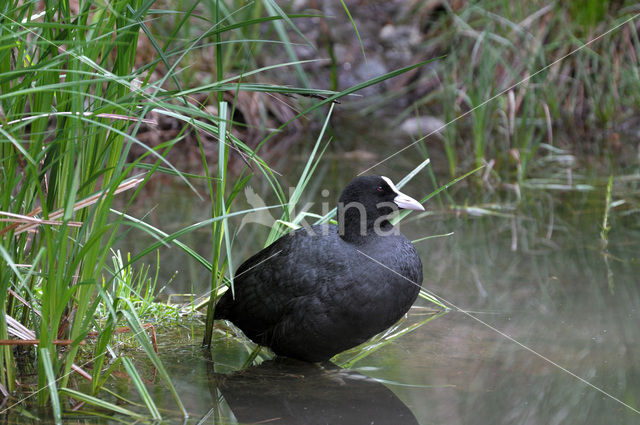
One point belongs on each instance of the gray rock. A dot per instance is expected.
(421, 126)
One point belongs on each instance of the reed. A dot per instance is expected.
(515, 81)
(71, 104)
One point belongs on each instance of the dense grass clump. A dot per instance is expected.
(71, 104)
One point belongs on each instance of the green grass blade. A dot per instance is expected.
(105, 375)
(347, 92)
(51, 384)
(355, 28)
(167, 238)
(413, 173)
(303, 182)
(431, 298)
(382, 340)
(451, 183)
(142, 390)
(94, 401)
(274, 9)
(143, 339)
(223, 153)
(404, 213)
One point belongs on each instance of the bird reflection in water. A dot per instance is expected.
(288, 391)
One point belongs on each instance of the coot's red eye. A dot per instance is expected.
(380, 189)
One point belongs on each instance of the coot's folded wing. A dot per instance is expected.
(267, 283)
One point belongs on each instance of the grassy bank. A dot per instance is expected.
(531, 89)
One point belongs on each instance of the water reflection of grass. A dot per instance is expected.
(547, 290)
(553, 292)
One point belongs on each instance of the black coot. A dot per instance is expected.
(321, 290)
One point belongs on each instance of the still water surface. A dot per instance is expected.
(544, 325)
(543, 329)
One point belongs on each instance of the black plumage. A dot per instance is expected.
(318, 291)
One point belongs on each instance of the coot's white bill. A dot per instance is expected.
(407, 202)
(402, 200)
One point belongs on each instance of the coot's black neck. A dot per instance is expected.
(356, 224)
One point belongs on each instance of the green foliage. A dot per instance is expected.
(588, 12)
(68, 96)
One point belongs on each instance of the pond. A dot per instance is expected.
(543, 329)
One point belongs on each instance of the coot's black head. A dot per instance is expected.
(366, 202)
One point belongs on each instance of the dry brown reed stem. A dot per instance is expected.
(35, 222)
(36, 342)
(17, 329)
